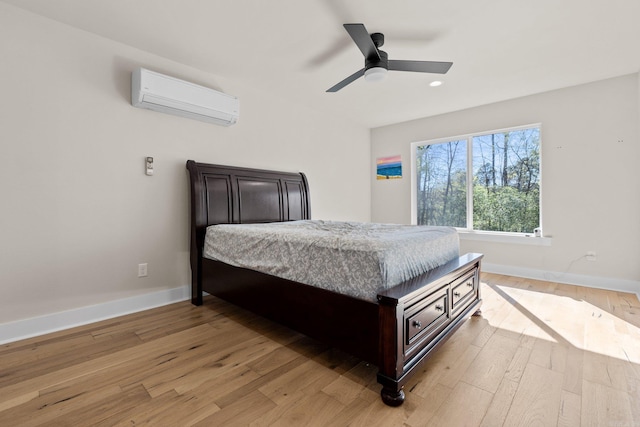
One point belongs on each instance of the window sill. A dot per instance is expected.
(513, 238)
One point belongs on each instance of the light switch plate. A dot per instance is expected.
(149, 166)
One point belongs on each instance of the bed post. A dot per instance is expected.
(196, 235)
(390, 312)
(196, 277)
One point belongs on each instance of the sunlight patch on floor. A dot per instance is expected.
(585, 325)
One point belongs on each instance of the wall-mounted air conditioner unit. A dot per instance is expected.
(158, 92)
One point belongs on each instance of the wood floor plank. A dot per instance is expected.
(500, 404)
(570, 408)
(518, 364)
(364, 373)
(208, 362)
(427, 409)
(344, 390)
(222, 385)
(50, 406)
(603, 405)
(26, 388)
(574, 371)
(455, 369)
(634, 398)
(103, 412)
(28, 354)
(46, 407)
(169, 410)
(489, 367)
(373, 413)
(305, 379)
(450, 413)
(273, 360)
(230, 395)
(242, 412)
(445, 370)
(297, 412)
(537, 399)
(352, 414)
(549, 354)
(47, 361)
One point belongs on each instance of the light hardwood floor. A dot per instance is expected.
(541, 354)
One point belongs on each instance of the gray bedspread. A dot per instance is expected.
(356, 259)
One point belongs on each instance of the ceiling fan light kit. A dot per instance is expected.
(376, 61)
(375, 74)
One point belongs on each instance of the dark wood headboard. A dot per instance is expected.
(233, 195)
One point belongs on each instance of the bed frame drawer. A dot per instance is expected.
(463, 290)
(426, 318)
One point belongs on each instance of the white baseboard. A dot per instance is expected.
(612, 284)
(27, 328)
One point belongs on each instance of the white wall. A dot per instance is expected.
(590, 179)
(79, 214)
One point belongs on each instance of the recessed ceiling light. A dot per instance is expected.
(435, 83)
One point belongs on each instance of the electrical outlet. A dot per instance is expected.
(591, 256)
(142, 270)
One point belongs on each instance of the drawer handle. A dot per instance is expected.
(470, 284)
(417, 324)
(439, 308)
(456, 294)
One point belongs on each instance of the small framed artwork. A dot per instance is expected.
(389, 167)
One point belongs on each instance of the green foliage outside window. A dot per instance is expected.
(505, 181)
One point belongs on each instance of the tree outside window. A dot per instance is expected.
(504, 181)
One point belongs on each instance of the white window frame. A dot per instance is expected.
(468, 233)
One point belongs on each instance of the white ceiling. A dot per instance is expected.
(500, 49)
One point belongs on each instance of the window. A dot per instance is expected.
(487, 181)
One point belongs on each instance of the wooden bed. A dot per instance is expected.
(407, 324)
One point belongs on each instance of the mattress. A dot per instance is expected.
(355, 259)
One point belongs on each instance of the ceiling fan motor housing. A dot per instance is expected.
(378, 39)
(373, 60)
(383, 62)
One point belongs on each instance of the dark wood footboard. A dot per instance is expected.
(417, 316)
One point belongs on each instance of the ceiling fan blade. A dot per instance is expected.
(420, 66)
(353, 77)
(363, 40)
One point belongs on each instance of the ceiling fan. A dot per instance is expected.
(377, 62)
